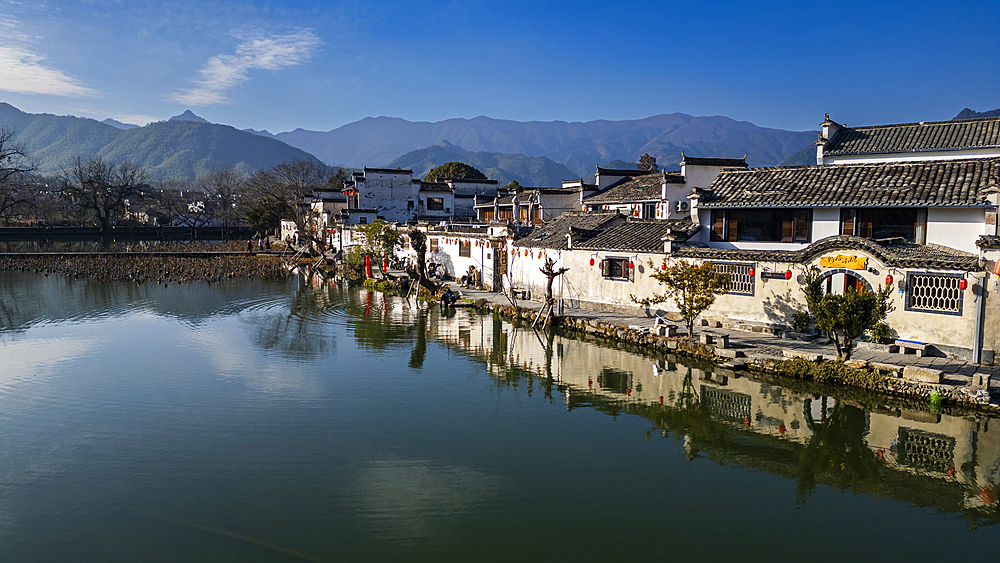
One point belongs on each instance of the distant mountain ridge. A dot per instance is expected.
(177, 148)
(973, 114)
(577, 145)
(531, 171)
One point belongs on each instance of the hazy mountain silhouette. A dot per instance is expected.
(118, 124)
(527, 170)
(189, 115)
(179, 148)
(577, 145)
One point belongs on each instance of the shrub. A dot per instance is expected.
(801, 321)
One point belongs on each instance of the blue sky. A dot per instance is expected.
(281, 65)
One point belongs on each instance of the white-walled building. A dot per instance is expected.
(656, 194)
(399, 197)
(926, 140)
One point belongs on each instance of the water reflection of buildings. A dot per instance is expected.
(941, 460)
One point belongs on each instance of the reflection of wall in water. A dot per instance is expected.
(945, 447)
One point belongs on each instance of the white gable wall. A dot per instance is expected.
(956, 227)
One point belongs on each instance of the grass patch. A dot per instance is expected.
(830, 372)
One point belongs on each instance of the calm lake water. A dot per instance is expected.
(309, 421)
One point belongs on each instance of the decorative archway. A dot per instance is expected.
(839, 280)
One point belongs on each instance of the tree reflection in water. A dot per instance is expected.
(837, 449)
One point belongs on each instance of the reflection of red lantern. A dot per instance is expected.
(963, 283)
(661, 399)
(788, 274)
(751, 271)
(781, 428)
(591, 261)
(888, 281)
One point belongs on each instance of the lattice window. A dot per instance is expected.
(924, 450)
(726, 404)
(740, 280)
(934, 293)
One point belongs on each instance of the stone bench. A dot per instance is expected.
(520, 293)
(718, 339)
(912, 347)
(665, 330)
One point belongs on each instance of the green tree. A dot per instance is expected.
(847, 316)
(267, 214)
(381, 240)
(454, 171)
(647, 162)
(692, 288)
(513, 186)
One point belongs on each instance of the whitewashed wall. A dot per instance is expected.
(956, 227)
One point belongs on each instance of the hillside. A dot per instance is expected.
(527, 170)
(973, 114)
(577, 145)
(167, 149)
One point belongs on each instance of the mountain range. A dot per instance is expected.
(181, 148)
(534, 153)
(504, 167)
(579, 146)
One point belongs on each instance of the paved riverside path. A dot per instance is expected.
(957, 373)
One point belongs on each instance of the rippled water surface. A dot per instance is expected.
(309, 421)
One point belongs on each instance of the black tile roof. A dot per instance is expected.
(469, 181)
(916, 137)
(639, 235)
(435, 187)
(388, 170)
(634, 189)
(988, 242)
(925, 184)
(725, 162)
(892, 252)
(623, 171)
(553, 234)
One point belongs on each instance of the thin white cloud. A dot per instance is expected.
(223, 72)
(22, 69)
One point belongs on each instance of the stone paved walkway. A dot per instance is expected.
(957, 373)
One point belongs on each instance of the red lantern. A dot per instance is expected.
(591, 261)
(963, 283)
(663, 266)
(888, 281)
(788, 274)
(487, 244)
(751, 271)
(631, 264)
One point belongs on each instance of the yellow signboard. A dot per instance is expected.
(844, 261)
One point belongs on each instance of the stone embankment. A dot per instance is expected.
(150, 267)
(957, 383)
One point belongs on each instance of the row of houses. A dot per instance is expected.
(911, 205)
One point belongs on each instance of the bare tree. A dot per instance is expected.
(102, 188)
(16, 188)
(224, 189)
(289, 187)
